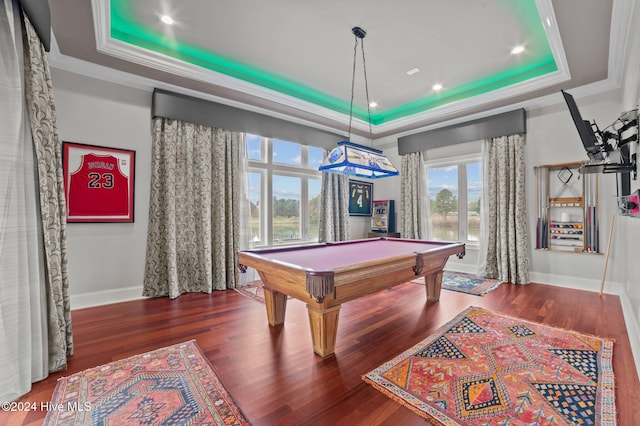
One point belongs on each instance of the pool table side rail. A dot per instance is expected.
(371, 275)
(278, 274)
(355, 281)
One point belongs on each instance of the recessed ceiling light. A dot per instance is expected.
(517, 50)
(437, 87)
(373, 104)
(167, 19)
(412, 71)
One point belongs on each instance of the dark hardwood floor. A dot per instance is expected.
(273, 374)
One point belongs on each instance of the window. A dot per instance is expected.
(454, 191)
(284, 190)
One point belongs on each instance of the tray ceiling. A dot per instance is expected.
(295, 58)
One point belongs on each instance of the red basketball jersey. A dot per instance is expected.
(99, 188)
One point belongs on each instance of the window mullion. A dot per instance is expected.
(304, 197)
(462, 202)
(268, 216)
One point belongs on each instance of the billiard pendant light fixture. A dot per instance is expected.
(351, 158)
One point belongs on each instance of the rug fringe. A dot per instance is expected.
(404, 403)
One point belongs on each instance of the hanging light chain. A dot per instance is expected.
(366, 88)
(359, 33)
(353, 82)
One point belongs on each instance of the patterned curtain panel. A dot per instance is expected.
(35, 325)
(23, 327)
(414, 203)
(194, 211)
(334, 208)
(506, 250)
(48, 149)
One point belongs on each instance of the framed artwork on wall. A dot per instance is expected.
(360, 198)
(98, 183)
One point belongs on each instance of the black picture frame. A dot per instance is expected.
(360, 198)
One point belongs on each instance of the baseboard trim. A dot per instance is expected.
(105, 297)
(633, 329)
(577, 283)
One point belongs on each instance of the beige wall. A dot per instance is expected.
(106, 260)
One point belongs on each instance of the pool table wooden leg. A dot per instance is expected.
(433, 285)
(276, 304)
(324, 328)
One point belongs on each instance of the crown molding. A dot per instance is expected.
(621, 27)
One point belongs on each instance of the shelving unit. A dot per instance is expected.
(567, 209)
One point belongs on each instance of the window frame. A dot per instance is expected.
(267, 168)
(461, 162)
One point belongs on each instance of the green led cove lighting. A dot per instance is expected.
(125, 28)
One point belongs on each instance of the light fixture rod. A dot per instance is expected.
(359, 33)
(366, 86)
(356, 31)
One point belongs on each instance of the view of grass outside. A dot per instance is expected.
(286, 223)
(445, 223)
(285, 216)
(443, 189)
(286, 219)
(286, 229)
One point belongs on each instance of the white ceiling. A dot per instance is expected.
(453, 42)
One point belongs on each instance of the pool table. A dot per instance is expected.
(325, 275)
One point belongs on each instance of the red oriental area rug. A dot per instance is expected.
(169, 386)
(487, 368)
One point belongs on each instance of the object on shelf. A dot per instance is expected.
(567, 209)
(565, 175)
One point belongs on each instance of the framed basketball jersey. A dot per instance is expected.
(98, 183)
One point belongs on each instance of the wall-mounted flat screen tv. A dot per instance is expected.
(595, 150)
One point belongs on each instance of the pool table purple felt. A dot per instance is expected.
(328, 274)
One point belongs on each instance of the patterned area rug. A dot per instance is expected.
(487, 368)
(168, 386)
(465, 283)
(253, 290)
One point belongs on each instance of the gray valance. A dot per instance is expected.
(508, 123)
(40, 17)
(195, 110)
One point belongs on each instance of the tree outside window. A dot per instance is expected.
(454, 192)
